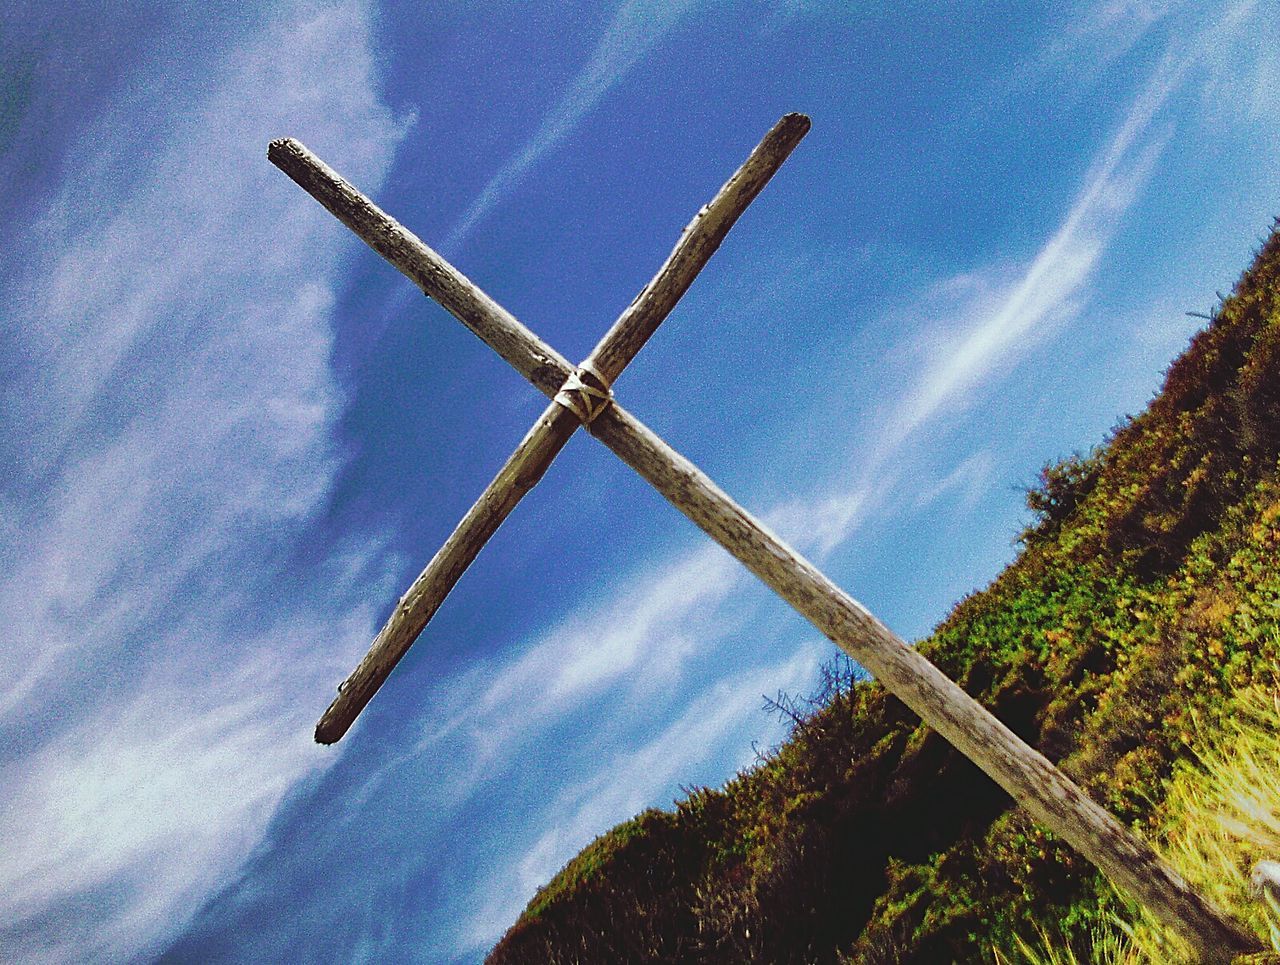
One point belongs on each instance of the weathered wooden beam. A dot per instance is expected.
(530, 461)
(549, 435)
(697, 244)
(1031, 780)
(1049, 795)
(497, 327)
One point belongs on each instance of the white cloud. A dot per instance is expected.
(1233, 44)
(629, 780)
(970, 478)
(975, 323)
(590, 650)
(818, 524)
(669, 610)
(176, 414)
(1096, 34)
(1240, 51)
(158, 797)
(637, 26)
(633, 644)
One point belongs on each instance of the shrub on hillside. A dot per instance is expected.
(1060, 489)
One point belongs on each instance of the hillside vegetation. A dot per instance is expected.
(1144, 606)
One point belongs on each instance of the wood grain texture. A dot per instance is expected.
(498, 328)
(548, 436)
(420, 602)
(1031, 780)
(1024, 773)
(697, 244)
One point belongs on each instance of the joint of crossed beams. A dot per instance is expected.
(585, 393)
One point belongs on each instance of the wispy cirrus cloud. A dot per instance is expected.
(978, 325)
(1094, 34)
(979, 321)
(173, 431)
(629, 646)
(630, 778)
(636, 28)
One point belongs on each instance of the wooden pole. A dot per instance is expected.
(1032, 781)
(498, 328)
(1049, 795)
(697, 244)
(549, 435)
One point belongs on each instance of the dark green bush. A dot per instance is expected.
(1061, 487)
(1146, 592)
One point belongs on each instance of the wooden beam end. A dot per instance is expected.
(800, 122)
(281, 146)
(334, 724)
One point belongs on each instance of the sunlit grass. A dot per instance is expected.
(1221, 817)
(1109, 945)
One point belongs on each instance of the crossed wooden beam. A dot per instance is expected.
(582, 395)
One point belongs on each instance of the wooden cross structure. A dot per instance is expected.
(582, 396)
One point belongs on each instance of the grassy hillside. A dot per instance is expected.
(1145, 603)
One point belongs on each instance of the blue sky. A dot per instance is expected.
(232, 435)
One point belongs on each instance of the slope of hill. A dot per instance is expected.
(1145, 597)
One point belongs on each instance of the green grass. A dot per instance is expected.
(1124, 642)
(1219, 817)
(1106, 945)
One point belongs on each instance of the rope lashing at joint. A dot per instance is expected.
(585, 393)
